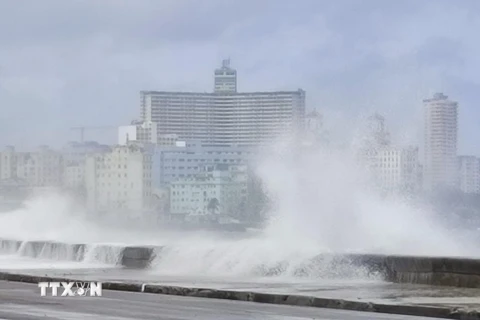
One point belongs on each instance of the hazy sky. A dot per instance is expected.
(73, 63)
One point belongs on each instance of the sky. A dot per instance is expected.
(82, 63)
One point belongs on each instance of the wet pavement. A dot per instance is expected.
(21, 301)
(354, 290)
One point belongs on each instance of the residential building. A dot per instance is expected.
(74, 158)
(8, 163)
(187, 159)
(469, 168)
(398, 168)
(141, 131)
(218, 189)
(120, 180)
(43, 168)
(440, 164)
(392, 168)
(225, 117)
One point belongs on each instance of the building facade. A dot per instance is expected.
(187, 159)
(42, 168)
(225, 78)
(218, 189)
(225, 117)
(141, 131)
(74, 160)
(8, 163)
(469, 169)
(119, 180)
(441, 126)
(398, 168)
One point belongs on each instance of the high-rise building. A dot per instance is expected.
(440, 164)
(469, 169)
(225, 78)
(225, 117)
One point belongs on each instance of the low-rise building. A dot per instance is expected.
(469, 174)
(74, 157)
(187, 159)
(139, 131)
(43, 168)
(120, 180)
(398, 168)
(217, 190)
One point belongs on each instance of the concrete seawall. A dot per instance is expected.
(443, 271)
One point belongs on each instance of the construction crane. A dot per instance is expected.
(82, 130)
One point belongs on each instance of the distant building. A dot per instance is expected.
(441, 126)
(225, 117)
(42, 168)
(398, 168)
(145, 132)
(225, 78)
(219, 189)
(120, 180)
(469, 168)
(8, 163)
(74, 157)
(393, 168)
(188, 158)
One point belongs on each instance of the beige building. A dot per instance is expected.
(119, 180)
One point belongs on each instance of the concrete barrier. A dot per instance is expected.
(9, 246)
(280, 299)
(443, 271)
(458, 272)
(138, 257)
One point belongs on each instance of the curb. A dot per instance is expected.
(279, 299)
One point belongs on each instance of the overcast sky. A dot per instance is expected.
(74, 63)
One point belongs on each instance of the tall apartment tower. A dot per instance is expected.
(441, 126)
(225, 78)
(225, 117)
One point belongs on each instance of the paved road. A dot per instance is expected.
(21, 301)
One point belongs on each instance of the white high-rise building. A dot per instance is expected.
(225, 117)
(225, 78)
(469, 169)
(440, 164)
(119, 180)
